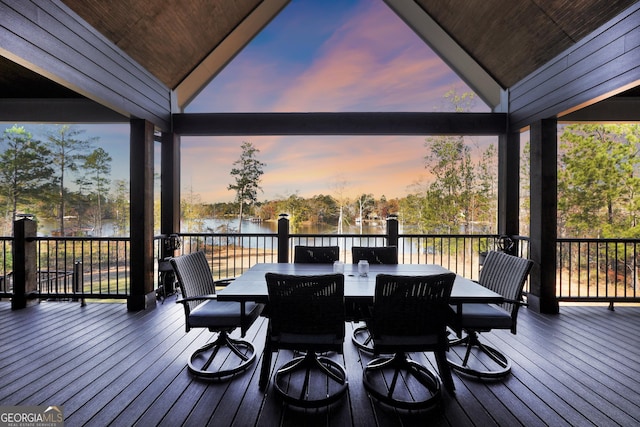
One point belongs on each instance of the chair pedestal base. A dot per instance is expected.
(361, 338)
(393, 392)
(313, 392)
(494, 357)
(202, 362)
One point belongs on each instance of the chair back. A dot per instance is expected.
(506, 275)
(375, 255)
(411, 305)
(316, 254)
(306, 305)
(194, 277)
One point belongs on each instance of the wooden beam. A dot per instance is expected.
(77, 110)
(46, 37)
(210, 124)
(601, 65)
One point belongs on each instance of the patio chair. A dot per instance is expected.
(410, 314)
(225, 356)
(375, 255)
(307, 316)
(316, 254)
(360, 336)
(506, 275)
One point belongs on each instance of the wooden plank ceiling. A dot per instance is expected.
(168, 38)
(508, 38)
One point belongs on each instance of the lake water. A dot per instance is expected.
(217, 225)
(45, 228)
(330, 232)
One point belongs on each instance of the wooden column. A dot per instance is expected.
(543, 227)
(170, 185)
(392, 230)
(509, 183)
(24, 264)
(141, 172)
(283, 238)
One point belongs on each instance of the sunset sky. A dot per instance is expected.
(315, 56)
(338, 55)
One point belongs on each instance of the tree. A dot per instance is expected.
(339, 188)
(598, 180)
(98, 167)
(24, 168)
(296, 207)
(463, 189)
(193, 212)
(247, 171)
(364, 201)
(121, 207)
(68, 150)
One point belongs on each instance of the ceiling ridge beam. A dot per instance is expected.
(349, 123)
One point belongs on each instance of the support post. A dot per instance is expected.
(544, 224)
(25, 286)
(78, 281)
(392, 231)
(142, 294)
(283, 238)
(169, 187)
(509, 184)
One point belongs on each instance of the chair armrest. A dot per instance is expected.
(518, 302)
(196, 298)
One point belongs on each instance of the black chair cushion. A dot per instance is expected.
(221, 314)
(408, 342)
(309, 341)
(483, 317)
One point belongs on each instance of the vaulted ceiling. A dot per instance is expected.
(508, 39)
(496, 43)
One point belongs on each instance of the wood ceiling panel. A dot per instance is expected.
(168, 38)
(510, 39)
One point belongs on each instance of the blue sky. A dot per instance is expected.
(316, 55)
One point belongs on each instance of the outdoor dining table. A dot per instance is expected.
(252, 286)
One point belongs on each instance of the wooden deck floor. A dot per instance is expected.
(106, 366)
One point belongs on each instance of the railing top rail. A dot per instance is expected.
(79, 239)
(597, 240)
(449, 236)
(227, 234)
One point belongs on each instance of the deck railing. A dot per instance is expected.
(83, 267)
(231, 254)
(598, 270)
(588, 270)
(73, 267)
(6, 267)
